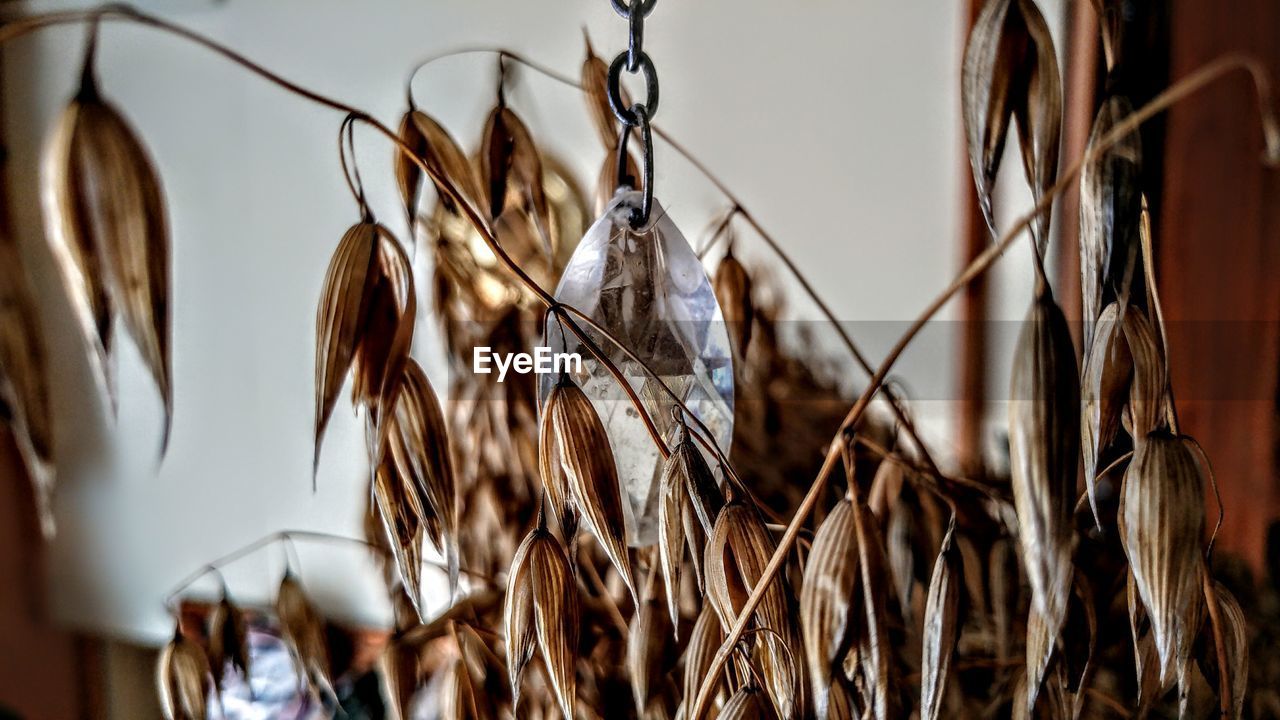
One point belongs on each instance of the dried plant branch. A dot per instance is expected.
(470, 605)
(898, 414)
(561, 312)
(214, 567)
(977, 486)
(1179, 90)
(737, 209)
(1188, 85)
(597, 584)
(24, 26)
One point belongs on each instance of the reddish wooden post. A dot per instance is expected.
(1218, 263)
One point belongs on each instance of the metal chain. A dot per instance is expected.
(634, 60)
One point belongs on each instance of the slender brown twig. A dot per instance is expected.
(18, 28)
(285, 536)
(737, 209)
(1188, 85)
(598, 586)
(1184, 87)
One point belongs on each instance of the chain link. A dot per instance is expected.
(640, 215)
(635, 61)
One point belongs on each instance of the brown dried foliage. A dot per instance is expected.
(24, 381)
(1161, 527)
(1010, 73)
(108, 229)
(228, 641)
(302, 628)
(183, 679)
(1044, 442)
(583, 452)
(542, 612)
(866, 614)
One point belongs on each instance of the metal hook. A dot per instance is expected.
(640, 215)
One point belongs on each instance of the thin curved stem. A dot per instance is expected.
(737, 209)
(596, 352)
(1184, 87)
(1217, 493)
(700, 432)
(18, 28)
(1116, 463)
(721, 227)
(597, 585)
(216, 565)
(350, 171)
(885, 454)
(708, 441)
(286, 537)
(482, 50)
(907, 425)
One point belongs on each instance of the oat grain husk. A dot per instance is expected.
(1110, 209)
(732, 287)
(829, 599)
(385, 334)
(1044, 446)
(874, 649)
(421, 452)
(24, 383)
(228, 642)
(587, 462)
(433, 144)
(344, 305)
(183, 679)
(303, 630)
(941, 629)
(518, 627)
(555, 616)
(1161, 529)
(1104, 391)
(737, 552)
(1235, 641)
(108, 229)
(551, 467)
(1010, 73)
(400, 515)
(687, 494)
(512, 166)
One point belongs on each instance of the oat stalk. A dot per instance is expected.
(736, 208)
(1188, 85)
(24, 26)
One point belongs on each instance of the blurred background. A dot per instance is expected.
(835, 121)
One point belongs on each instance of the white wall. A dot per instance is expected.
(836, 122)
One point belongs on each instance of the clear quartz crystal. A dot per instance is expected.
(649, 290)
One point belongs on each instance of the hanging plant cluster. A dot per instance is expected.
(286, 658)
(108, 233)
(619, 560)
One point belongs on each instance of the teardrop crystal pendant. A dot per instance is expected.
(649, 290)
